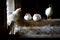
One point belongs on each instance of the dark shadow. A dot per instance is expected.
(40, 6)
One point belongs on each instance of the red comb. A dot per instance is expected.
(49, 5)
(19, 9)
(26, 14)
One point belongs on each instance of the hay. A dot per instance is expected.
(42, 22)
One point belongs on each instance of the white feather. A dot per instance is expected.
(28, 17)
(36, 18)
(10, 17)
(48, 11)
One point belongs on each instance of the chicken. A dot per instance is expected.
(13, 16)
(49, 11)
(36, 17)
(27, 16)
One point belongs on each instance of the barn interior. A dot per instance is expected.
(31, 6)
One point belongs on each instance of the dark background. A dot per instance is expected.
(39, 6)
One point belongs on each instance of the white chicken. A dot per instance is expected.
(36, 17)
(49, 11)
(13, 16)
(27, 16)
